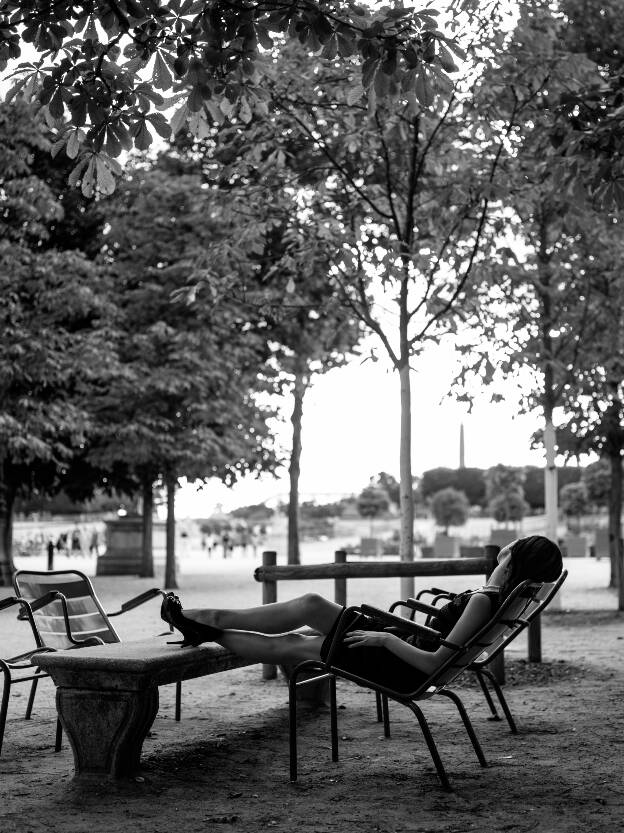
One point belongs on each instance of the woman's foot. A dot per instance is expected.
(194, 633)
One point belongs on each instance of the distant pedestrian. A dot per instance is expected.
(226, 541)
(76, 544)
(94, 543)
(50, 549)
(243, 540)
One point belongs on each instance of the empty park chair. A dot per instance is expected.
(19, 669)
(537, 600)
(76, 618)
(462, 656)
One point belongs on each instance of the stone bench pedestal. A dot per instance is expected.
(107, 696)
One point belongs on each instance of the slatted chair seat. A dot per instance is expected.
(73, 616)
(510, 613)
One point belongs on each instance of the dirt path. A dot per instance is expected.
(225, 765)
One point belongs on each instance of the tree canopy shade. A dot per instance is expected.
(184, 400)
(108, 65)
(53, 324)
(587, 133)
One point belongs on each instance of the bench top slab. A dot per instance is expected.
(136, 664)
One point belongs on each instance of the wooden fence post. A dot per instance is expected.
(269, 595)
(340, 584)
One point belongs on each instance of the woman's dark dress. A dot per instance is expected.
(378, 664)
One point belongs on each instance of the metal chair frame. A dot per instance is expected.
(538, 603)
(21, 578)
(508, 616)
(22, 663)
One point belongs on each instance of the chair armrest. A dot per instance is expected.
(137, 600)
(422, 607)
(436, 591)
(10, 600)
(27, 656)
(407, 625)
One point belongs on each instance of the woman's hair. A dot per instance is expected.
(535, 558)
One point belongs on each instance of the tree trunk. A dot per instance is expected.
(549, 397)
(170, 562)
(294, 467)
(615, 527)
(7, 568)
(406, 550)
(550, 480)
(147, 554)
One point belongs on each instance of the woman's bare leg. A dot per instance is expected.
(310, 609)
(285, 648)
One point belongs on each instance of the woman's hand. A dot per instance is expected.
(368, 639)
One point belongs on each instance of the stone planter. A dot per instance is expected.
(123, 546)
(575, 546)
(371, 547)
(445, 546)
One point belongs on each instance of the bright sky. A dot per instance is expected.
(351, 432)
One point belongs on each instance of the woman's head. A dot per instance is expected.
(535, 558)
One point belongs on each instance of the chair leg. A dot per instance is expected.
(31, 698)
(433, 749)
(386, 715)
(467, 723)
(487, 695)
(4, 706)
(178, 700)
(333, 714)
(292, 725)
(59, 735)
(378, 704)
(503, 702)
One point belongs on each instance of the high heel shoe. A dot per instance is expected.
(194, 633)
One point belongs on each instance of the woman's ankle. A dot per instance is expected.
(203, 616)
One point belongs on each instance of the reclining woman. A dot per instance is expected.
(265, 633)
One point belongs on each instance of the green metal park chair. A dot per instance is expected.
(540, 598)
(19, 669)
(75, 618)
(510, 613)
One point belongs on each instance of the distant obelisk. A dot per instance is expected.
(462, 461)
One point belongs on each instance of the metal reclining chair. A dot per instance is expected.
(507, 617)
(74, 618)
(538, 602)
(19, 669)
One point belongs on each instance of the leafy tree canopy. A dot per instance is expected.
(450, 507)
(574, 498)
(113, 67)
(183, 401)
(372, 502)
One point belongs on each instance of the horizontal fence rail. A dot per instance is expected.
(375, 569)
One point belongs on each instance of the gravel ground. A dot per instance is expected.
(225, 766)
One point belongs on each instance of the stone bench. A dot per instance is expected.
(107, 696)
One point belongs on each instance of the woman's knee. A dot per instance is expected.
(313, 602)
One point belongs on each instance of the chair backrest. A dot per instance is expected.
(510, 618)
(538, 602)
(86, 615)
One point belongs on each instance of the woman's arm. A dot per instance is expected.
(476, 614)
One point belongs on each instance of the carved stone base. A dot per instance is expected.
(106, 729)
